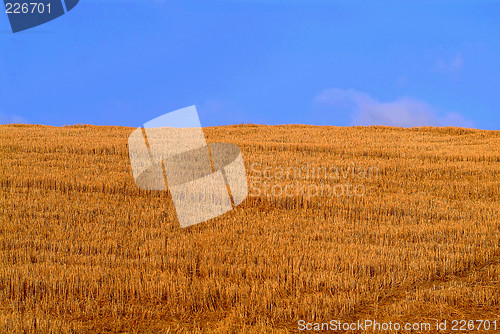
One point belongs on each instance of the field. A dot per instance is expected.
(350, 224)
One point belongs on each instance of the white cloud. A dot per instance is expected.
(454, 65)
(11, 119)
(402, 112)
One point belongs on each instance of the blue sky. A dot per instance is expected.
(124, 62)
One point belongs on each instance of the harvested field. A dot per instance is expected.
(357, 223)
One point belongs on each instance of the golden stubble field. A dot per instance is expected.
(83, 250)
